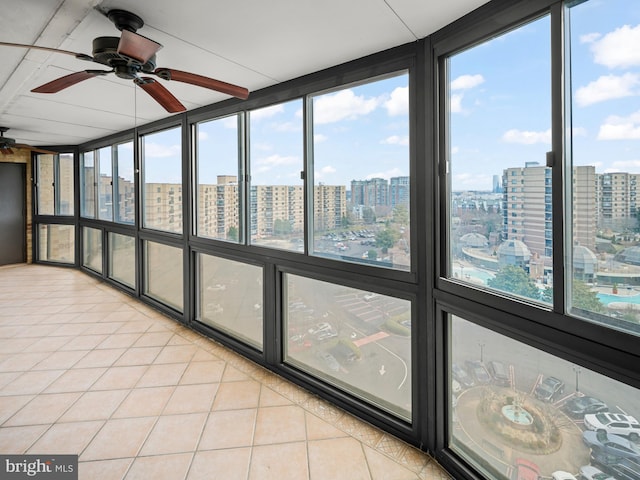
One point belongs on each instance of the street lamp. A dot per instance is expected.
(481, 345)
(577, 370)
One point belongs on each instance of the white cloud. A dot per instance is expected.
(526, 137)
(396, 140)
(455, 150)
(455, 104)
(277, 160)
(608, 87)
(579, 132)
(589, 37)
(398, 104)
(266, 112)
(287, 127)
(343, 105)
(618, 49)
(323, 172)
(625, 166)
(620, 128)
(465, 82)
(202, 135)
(230, 122)
(319, 138)
(472, 181)
(155, 150)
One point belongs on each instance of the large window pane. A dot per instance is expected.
(361, 173)
(605, 109)
(122, 259)
(355, 339)
(499, 110)
(65, 189)
(231, 297)
(45, 185)
(276, 187)
(218, 173)
(105, 184)
(516, 409)
(124, 189)
(162, 180)
(87, 185)
(163, 274)
(56, 243)
(92, 248)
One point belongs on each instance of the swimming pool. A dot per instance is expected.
(607, 298)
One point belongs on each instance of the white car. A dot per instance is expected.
(616, 423)
(561, 475)
(592, 473)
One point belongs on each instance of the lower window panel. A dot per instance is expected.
(517, 412)
(56, 243)
(122, 259)
(356, 340)
(92, 248)
(163, 274)
(230, 298)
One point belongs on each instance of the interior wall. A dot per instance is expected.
(24, 156)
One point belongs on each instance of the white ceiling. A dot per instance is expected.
(252, 43)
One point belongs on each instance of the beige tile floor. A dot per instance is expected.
(88, 370)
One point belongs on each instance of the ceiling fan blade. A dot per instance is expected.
(137, 47)
(34, 149)
(202, 81)
(160, 94)
(80, 56)
(6, 151)
(61, 83)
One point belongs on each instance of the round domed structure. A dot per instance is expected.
(474, 240)
(513, 252)
(585, 263)
(629, 255)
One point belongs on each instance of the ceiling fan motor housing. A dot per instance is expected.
(105, 51)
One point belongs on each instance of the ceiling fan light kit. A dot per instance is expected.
(128, 56)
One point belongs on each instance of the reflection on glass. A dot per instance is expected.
(56, 243)
(361, 174)
(276, 189)
(45, 185)
(122, 259)
(218, 190)
(499, 109)
(92, 248)
(124, 189)
(163, 274)
(516, 409)
(87, 185)
(162, 180)
(105, 187)
(605, 243)
(231, 297)
(355, 339)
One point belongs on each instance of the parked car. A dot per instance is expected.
(601, 442)
(549, 389)
(589, 472)
(478, 371)
(618, 468)
(578, 407)
(455, 386)
(329, 360)
(562, 475)
(461, 375)
(616, 423)
(526, 470)
(499, 373)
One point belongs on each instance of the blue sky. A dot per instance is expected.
(500, 96)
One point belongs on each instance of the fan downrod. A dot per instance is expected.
(124, 20)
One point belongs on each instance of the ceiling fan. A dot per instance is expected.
(8, 144)
(129, 56)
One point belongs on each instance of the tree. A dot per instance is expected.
(514, 279)
(582, 297)
(401, 215)
(281, 227)
(368, 215)
(372, 255)
(386, 239)
(232, 234)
